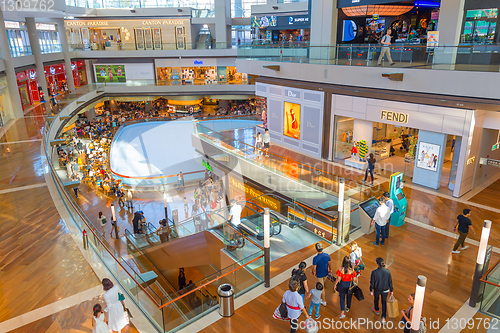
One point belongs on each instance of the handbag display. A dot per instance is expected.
(392, 307)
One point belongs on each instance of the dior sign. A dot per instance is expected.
(291, 93)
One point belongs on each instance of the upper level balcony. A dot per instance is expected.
(463, 70)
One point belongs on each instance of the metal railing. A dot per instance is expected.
(160, 309)
(442, 57)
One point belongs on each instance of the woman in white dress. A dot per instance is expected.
(114, 307)
(98, 323)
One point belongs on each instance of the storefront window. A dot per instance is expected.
(19, 42)
(343, 137)
(49, 42)
(479, 26)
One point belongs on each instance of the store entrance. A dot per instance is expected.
(395, 149)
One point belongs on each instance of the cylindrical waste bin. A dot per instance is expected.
(226, 300)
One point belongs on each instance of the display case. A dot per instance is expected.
(343, 137)
(381, 150)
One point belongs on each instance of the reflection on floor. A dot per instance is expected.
(489, 196)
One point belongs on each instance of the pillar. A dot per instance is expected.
(451, 16)
(363, 130)
(222, 24)
(63, 38)
(10, 73)
(35, 49)
(324, 17)
(450, 22)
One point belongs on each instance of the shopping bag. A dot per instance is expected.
(358, 293)
(281, 312)
(392, 307)
(311, 326)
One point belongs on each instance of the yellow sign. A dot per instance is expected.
(251, 193)
(471, 160)
(291, 123)
(398, 117)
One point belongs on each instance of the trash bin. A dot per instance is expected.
(226, 300)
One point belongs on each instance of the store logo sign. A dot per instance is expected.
(206, 165)
(290, 20)
(52, 70)
(398, 117)
(309, 124)
(198, 62)
(356, 1)
(471, 160)
(291, 93)
(274, 115)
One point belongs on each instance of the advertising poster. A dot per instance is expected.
(432, 38)
(179, 38)
(291, 122)
(157, 38)
(148, 39)
(139, 39)
(428, 156)
(110, 73)
(264, 21)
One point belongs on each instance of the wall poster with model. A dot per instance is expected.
(110, 73)
(180, 38)
(291, 122)
(428, 156)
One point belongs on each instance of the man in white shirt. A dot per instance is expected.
(389, 203)
(235, 213)
(380, 220)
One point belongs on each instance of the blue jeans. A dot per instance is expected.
(311, 307)
(343, 288)
(379, 230)
(368, 170)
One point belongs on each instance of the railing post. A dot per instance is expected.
(267, 249)
(481, 257)
(418, 304)
(113, 220)
(85, 240)
(340, 218)
(165, 205)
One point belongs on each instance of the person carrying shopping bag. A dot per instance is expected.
(356, 258)
(346, 276)
(292, 306)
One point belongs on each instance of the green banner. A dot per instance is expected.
(110, 73)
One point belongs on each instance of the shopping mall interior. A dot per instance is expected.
(182, 162)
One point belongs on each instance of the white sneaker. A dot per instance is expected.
(323, 303)
(342, 316)
(464, 247)
(455, 251)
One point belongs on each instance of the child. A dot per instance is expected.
(98, 323)
(186, 207)
(315, 299)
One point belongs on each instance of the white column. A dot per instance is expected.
(70, 80)
(363, 130)
(324, 17)
(450, 22)
(222, 23)
(35, 49)
(451, 16)
(15, 99)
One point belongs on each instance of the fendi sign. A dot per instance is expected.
(398, 117)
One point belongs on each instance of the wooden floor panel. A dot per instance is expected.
(410, 252)
(39, 262)
(489, 196)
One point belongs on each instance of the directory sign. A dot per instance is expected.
(370, 207)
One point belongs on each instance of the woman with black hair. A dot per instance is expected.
(98, 323)
(370, 168)
(300, 275)
(346, 275)
(114, 306)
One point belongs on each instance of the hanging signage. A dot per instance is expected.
(206, 165)
(487, 161)
(252, 193)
